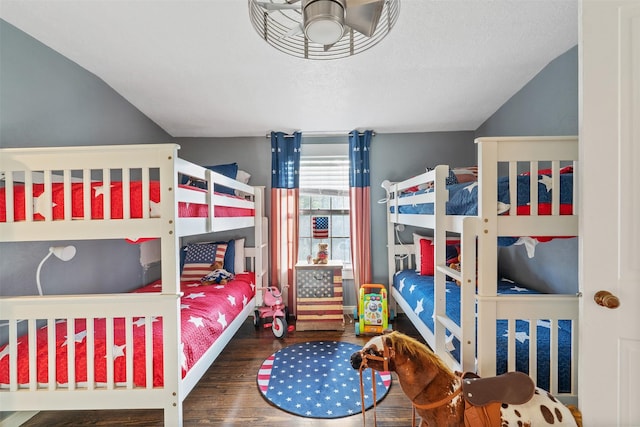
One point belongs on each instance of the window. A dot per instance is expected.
(324, 195)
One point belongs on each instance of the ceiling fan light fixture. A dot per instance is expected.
(323, 29)
(324, 21)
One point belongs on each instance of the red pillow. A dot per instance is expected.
(426, 255)
(566, 169)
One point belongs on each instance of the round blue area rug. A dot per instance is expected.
(315, 380)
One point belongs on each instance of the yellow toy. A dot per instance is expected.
(373, 310)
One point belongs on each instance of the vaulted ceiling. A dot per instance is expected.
(198, 68)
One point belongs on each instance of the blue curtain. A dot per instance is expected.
(285, 178)
(360, 207)
(285, 160)
(359, 146)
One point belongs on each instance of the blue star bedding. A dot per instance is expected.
(463, 198)
(417, 291)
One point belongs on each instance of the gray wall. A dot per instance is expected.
(400, 156)
(47, 100)
(547, 105)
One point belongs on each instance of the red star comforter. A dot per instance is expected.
(206, 311)
(97, 202)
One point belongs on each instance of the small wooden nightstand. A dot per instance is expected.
(319, 296)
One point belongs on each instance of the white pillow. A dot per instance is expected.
(243, 176)
(239, 262)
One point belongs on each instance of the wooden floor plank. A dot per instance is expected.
(228, 395)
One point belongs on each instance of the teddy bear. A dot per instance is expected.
(218, 275)
(323, 254)
(458, 266)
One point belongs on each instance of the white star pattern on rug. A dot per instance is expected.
(315, 379)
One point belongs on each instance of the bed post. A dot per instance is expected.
(170, 255)
(260, 235)
(391, 257)
(487, 255)
(439, 258)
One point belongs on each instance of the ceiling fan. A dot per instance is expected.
(325, 22)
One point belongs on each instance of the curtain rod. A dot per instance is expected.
(322, 134)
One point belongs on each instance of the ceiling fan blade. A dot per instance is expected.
(326, 47)
(363, 15)
(278, 6)
(295, 31)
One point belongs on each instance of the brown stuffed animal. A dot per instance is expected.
(218, 275)
(323, 254)
(458, 266)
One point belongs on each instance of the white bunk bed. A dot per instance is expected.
(460, 321)
(164, 219)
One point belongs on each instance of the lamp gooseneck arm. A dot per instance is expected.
(38, 273)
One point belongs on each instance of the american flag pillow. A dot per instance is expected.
(198, 260)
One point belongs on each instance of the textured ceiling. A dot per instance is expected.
(198, 68)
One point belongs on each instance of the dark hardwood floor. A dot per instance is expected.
(228, 395)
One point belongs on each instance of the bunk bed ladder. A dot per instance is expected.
(465, 331)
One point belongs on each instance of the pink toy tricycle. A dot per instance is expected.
(273, 310)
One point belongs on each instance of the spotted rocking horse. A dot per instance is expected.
(444, 398)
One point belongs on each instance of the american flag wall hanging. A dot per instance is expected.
(320, 227)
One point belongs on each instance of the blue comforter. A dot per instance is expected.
(417, 291)
(463, 198)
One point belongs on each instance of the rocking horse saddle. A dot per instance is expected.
(514, 388)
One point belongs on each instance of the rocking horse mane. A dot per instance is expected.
(414, 349)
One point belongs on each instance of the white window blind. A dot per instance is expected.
(324, 169)
(324, 192)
